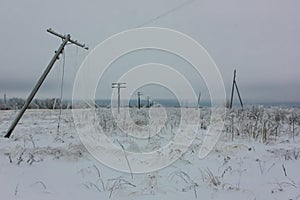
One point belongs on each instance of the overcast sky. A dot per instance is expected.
(260, 38)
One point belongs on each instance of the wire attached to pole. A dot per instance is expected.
(61, 91)
(172, 10)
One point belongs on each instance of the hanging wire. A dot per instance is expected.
(76, 62)
(76, 58)
(58, 79)
(61, 90)
(164, 14)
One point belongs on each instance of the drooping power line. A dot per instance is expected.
(172, 10)
(61, 91)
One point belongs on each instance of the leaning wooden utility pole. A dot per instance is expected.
(65, 40)
(119, 86)
(232, 89)
(234, 85)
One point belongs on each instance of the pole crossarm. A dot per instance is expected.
(118, 83)
(119, 86)
(49, 30)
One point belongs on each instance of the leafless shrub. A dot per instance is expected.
(16, 189)
(118, 184)
(228, 186)
(32, 141)
(31, 159)
(283, 184)
(125, 155)
(262, 124)
(9, 156)
(90, 185)
(287, 154)
(152, 181)
(214, 180)
(40, 183)
(226, 170)
(20, 159)
(187, 179)
(106, 185)
(292, 154)
(209, 178)
(292, 121)
(264, 167)
(99, 177)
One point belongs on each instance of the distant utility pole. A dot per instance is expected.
(65, 40)
(148, 102)
(199, 97)
(234, 85)
(139, 99)
(4, 98)
(119, 86)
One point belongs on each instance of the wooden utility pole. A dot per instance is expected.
(199, 97)
(65, 40)
(5, 99)
(119, 86)
(232, 88)
(139, 99)
(234, 85)
(148, 102)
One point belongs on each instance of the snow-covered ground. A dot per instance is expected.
(257, 157)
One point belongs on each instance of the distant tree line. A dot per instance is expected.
(17, 103)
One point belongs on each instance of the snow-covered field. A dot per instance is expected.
(257, 157)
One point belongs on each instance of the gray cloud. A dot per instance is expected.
(258, 38)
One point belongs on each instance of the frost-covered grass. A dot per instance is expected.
(257, 157)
